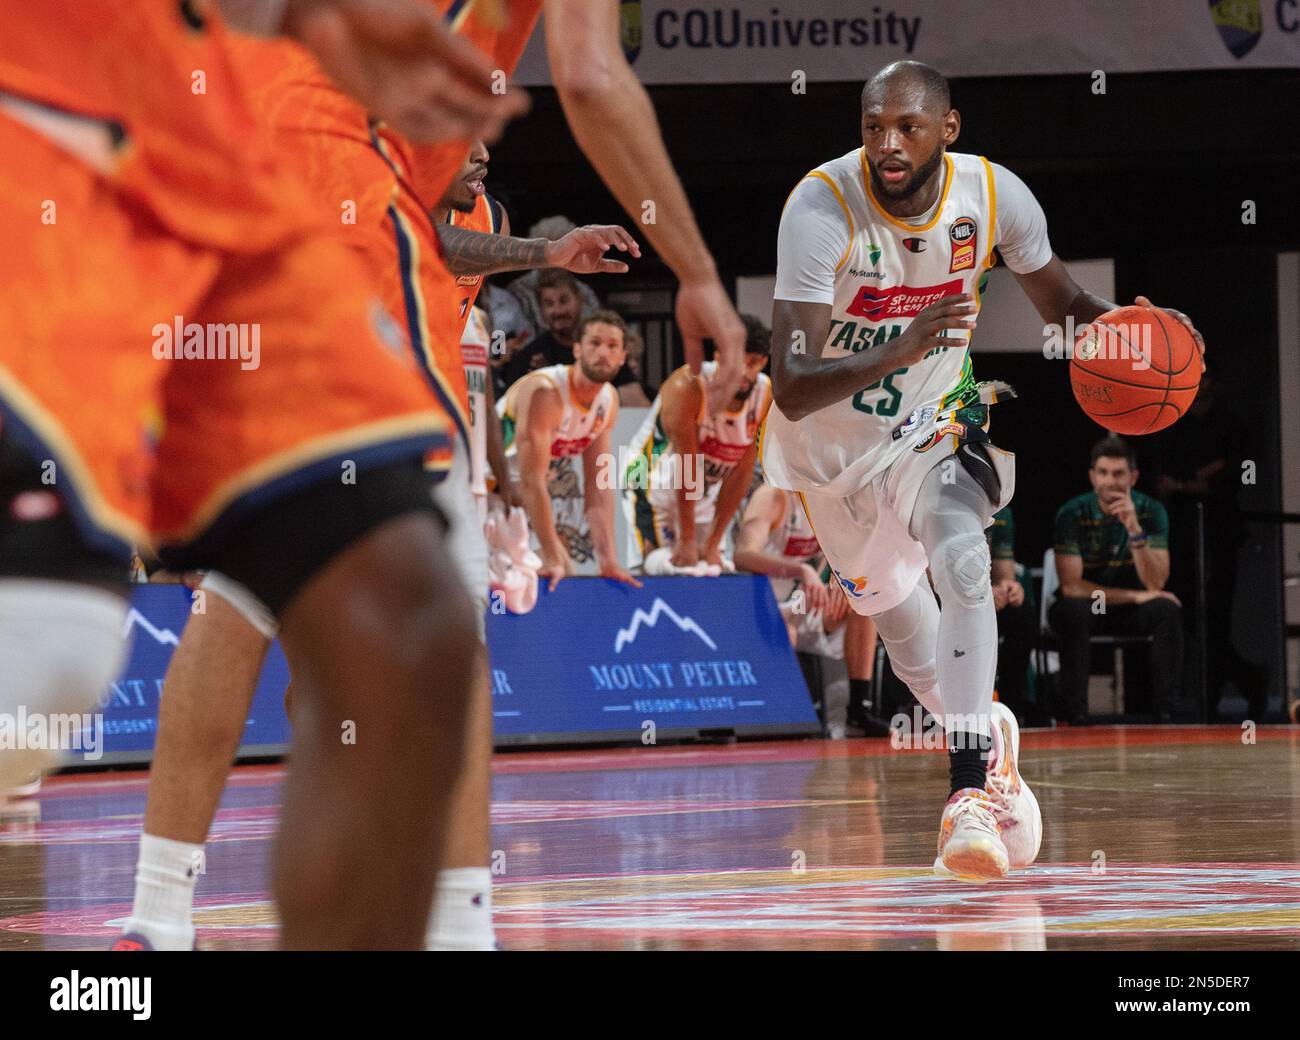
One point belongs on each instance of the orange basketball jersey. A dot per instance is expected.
(483, 217)
(500, 29)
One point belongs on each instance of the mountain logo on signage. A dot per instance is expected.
(159, 635)
(657, 609)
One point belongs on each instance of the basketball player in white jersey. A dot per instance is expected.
(776, 539)
(565, 412)
(688, 471)
(879, 423)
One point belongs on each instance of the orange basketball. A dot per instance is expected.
(1135, 370)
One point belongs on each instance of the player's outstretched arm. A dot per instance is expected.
(730, 495)
(540, 411)
(394, 56)
(582, 250)
(614, 124)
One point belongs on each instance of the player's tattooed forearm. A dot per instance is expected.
(476, 252)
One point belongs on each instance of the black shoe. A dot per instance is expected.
(866, 725)
(1080, 720)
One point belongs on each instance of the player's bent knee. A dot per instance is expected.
(964, 569)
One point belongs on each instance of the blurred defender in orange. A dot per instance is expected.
(193, 358)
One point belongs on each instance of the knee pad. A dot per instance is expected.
(916, 677)
(963, 569)
(61, 644)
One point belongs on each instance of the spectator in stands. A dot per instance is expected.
(561, 306)
(1112, 559)
(526, 287)
(1017, 620)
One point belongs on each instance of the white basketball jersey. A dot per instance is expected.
(891, 271)
(474, 344)
(723, 441)
(794, 540)
(578, 426)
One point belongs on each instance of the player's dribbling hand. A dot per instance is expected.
(614, 572)
(705, 311)
(931, 328)
(583, 249)
(399, 60)
(1142, 301)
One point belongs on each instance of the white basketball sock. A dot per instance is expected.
(461, 918)
(164, 892)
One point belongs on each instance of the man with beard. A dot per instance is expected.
(560, 303)
(879, 422)
(688, 470)
(551, 416)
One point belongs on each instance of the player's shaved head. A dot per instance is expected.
(907, 122)
(924, 85)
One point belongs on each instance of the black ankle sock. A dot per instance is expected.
(968, 759)
(859, 699)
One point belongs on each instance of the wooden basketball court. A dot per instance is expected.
(1154, 838)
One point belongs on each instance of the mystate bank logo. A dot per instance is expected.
(659, 650)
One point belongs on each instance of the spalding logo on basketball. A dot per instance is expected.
(1135, 370)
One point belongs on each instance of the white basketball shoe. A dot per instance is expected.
(970, 847)
(1019, 821)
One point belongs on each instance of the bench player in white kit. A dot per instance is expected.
(689, 469)
(879, 423)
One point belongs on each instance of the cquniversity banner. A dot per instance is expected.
(130, 705)
(599, 661)
(770, 41)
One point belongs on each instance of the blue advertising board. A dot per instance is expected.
(130, 705)
(595, 661)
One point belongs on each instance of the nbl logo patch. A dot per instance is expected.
(962, 233)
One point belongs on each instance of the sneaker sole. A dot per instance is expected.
(977, 862)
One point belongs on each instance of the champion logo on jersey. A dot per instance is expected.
(914, 245)
(879, 303)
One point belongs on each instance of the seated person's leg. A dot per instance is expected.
(1162, 619)
(1072, 622)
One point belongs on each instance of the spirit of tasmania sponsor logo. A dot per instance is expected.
(879, 302)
